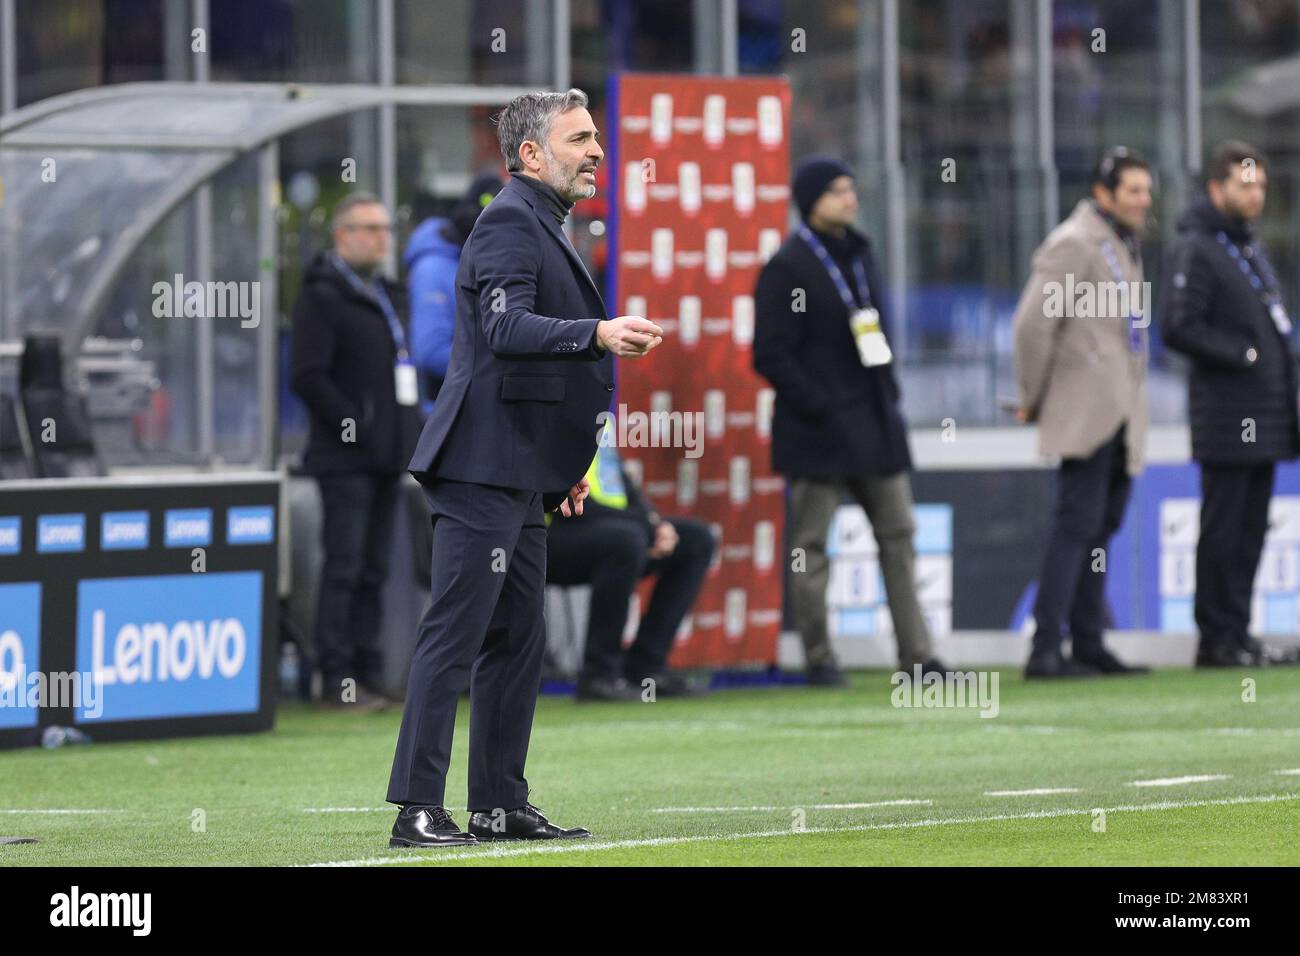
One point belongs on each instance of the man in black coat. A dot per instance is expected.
(349, 364)
(821, 338)
(1225, 312)
(510, 437)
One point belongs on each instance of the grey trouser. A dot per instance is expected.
(888, 504)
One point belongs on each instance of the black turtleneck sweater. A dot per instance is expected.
(557, 204)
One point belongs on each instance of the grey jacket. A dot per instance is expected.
(1079, 375)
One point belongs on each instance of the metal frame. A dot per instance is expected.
(716, 50)
(358, 96)
(1044, 121)
(1192, 83)
(891, 160)
(268, 274)
(321, 102)
(344, 99)
(8, 58)
(386, 64)
(560, 52)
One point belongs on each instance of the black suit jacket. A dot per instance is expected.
(526, 380)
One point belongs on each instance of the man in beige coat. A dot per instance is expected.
(1081, 354)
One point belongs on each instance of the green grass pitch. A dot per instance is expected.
(726, 780)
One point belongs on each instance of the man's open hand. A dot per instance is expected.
(628, 336)
(576, 494)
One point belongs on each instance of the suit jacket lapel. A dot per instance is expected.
(554, 229)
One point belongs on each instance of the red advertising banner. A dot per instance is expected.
(701, 172)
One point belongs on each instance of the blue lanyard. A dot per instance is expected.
(1254, 265)
(859, 271)
(380, 296)
(1135, 334)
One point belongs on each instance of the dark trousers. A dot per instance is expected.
(612, 556)
(1234, 520)
(485, 627)
(357, 535)
(1092, 494)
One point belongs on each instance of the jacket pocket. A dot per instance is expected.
(532, 388)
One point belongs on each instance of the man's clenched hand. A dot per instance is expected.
(628, 336)
(576, 494)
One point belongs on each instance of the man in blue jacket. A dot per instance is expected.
(511, 436)
(432, 258)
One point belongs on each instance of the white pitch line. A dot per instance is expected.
(392, 809)
(1176, 781)
(584, 846)
(1289, 773)
(805, 806)
(7, 810)
(1036, 792)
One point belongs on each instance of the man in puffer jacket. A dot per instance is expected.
(1225, 312)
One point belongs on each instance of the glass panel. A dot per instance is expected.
(974, 201)
(303, 41)
(1250, 80)
(63, 45)
(1118, 80)
(54, 237)
(474, 41)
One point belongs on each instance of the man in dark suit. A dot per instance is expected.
(511, 436)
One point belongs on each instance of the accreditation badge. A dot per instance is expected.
(873, 349)
(1283, 322)
(405, 384)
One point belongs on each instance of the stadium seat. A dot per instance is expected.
(57, 420)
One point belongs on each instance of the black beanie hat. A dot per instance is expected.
(811, 177)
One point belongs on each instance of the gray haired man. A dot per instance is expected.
(511, 437)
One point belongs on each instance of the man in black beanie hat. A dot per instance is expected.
(821, 339)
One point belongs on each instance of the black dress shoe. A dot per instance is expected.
(1264, 655)
(1106, 662)
(1239, 654)
(1056, 664)
(826, 675)
(525, 823)
(1228, 654)
(419, 826)
(604, 688)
